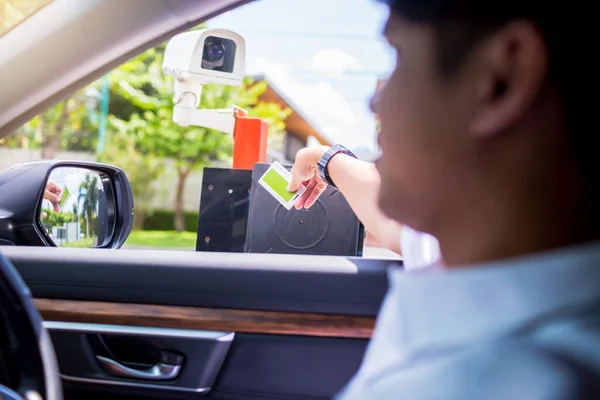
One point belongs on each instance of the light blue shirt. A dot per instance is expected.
(419, 249)
(514, 329)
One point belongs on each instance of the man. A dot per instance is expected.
(487, 146)
(359, 182)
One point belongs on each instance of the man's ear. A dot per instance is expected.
(511, 68)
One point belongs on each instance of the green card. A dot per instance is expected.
(64, 196)
(278, 184)
(276, 180)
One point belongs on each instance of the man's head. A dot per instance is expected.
(481, 109)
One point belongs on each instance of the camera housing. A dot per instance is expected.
(206, 56)
(199, 57)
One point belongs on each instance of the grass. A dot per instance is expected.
(162, 239)
(83, 243)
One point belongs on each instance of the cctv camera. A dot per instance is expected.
(206, 56)
(197, 58)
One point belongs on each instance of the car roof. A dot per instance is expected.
(68, 44)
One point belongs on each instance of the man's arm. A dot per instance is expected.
(359, 183)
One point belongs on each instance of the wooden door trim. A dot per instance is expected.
(199, 318)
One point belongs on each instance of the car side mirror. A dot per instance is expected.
(65, 204)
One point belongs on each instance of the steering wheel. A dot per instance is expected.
(28, 366)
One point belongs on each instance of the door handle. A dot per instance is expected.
(168, 368)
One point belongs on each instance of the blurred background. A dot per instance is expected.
(312, 67)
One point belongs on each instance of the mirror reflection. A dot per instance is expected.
(77, 208)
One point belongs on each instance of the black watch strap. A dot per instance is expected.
(324, 161)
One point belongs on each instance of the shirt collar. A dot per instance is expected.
(447, 308)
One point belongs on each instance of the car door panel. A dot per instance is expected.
(173, 362)
(288, 367)
(268, 282)
(257, 366)
(300, 324)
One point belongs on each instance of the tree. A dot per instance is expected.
(88, 192)
(65, 126)
(75, 213)
(143, 170)
(58, 125)
(51, 218)
(142, 83)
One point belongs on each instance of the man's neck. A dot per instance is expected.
(509, 224)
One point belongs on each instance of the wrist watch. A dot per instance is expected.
(324, 162)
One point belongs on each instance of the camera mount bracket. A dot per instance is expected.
(186, 96)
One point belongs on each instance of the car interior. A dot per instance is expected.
(93, 323)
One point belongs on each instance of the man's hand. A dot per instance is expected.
(304, 172)
(357, 180)
(52, 194)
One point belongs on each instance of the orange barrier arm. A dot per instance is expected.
(249, 140)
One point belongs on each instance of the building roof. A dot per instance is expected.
(297, 122)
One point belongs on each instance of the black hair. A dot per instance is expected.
(567, 29)
(460, 24)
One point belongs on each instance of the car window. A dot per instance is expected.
(311, 81)
(12, 12)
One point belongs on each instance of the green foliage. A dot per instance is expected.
(64, 126)
(141, 134)
(83, 243)
(162, 239)
(162, 220)
(51, 218)
(88, 198)
(141, 83)
(143, 171)
(83, 226)
(150, 92)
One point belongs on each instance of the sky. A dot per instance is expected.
(325, 55)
